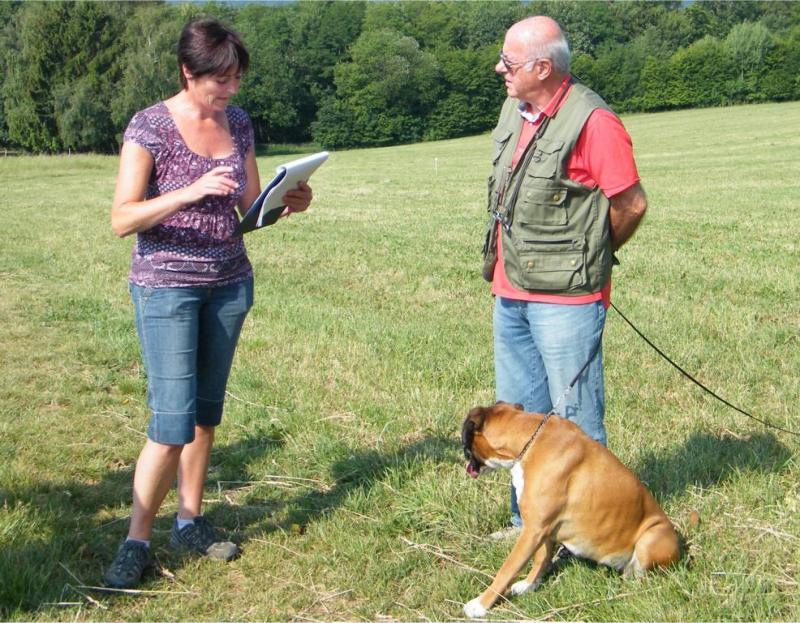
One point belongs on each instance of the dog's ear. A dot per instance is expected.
(476, 416)
(516, 405)
(472, 423)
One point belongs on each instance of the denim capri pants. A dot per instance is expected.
(188, 337)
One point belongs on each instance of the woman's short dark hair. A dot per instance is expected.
(208, 47)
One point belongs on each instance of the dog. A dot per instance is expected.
(571, 490)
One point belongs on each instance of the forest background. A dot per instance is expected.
(356, 74)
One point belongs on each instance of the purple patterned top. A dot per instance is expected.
(193, 247)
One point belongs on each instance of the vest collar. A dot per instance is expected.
(527, 111)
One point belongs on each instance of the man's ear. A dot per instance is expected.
(544, 68)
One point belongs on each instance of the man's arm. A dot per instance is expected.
(627, 211)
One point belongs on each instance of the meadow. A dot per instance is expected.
(338, 464)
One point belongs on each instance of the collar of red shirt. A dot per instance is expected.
(528, 113)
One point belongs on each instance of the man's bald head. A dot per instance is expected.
(542, 37)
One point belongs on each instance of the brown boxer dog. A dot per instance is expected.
(571, 490)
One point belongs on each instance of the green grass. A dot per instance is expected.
(338, 464)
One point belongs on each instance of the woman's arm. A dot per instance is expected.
(131, 213)
(253, 188)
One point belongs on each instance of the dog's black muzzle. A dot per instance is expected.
(474, 464)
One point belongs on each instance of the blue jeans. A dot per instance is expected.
(538, 350)
(188, 337)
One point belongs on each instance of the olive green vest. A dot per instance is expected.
(555, 231)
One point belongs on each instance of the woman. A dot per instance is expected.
(185, 164)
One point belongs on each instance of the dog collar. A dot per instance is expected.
(530, 441)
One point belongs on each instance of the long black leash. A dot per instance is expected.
(552, 411)
(595, 350)
(695, 381)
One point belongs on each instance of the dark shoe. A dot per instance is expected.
(126, 571)
(201, 538)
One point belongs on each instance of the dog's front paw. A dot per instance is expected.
(522, 586)
(474, 610)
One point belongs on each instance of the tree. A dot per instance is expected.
(55, 45)
(671, 31)
(585, 24)
(271, 92)
(149, 66)
(700, 75)
(485, 23)
(7, 10)
(653, 83)
(82, 114)
(321, 34)
(781, 80)
(636, 17)
(615, 74)
(473, 93)
(34, 45)
(748, 45)
(389, 88)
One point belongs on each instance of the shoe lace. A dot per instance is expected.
(201, 534)
(132, 556)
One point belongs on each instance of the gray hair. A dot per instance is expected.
(556, 49)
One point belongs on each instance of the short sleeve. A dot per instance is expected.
(603, 155)
(243, 132)
(142, 131)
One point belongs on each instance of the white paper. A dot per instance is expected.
(287, 177)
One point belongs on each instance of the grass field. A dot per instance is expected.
(338, 465)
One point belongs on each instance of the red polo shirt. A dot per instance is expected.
(603, 156)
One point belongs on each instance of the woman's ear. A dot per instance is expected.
(186, 73)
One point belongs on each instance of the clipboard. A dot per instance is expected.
(268, 206)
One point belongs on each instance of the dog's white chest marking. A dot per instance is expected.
(518, 480)
(496, 463)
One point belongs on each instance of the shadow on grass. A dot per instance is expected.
(68, 532)
(72, 532)
(705, 460)
(366, 468)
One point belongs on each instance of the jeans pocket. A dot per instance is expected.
(140, 295)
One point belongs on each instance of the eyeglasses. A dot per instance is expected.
(511, 66)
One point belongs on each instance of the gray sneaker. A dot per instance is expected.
(201, 538)
(132, 559)
(508, 532)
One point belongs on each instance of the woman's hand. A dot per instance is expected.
(298, 200)
(132, 213)
(215, 182)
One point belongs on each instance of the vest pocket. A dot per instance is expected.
(544, 160)
(552, 265)
(500, 138)
(542, 207)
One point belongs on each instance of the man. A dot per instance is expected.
(564, 194)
